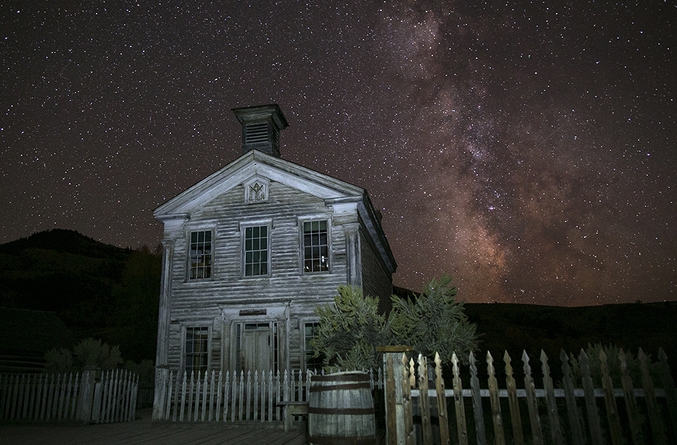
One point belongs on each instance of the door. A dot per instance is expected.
(257, 347)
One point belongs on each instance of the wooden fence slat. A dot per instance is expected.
(182, 406)
(424, 403)
(610, 402)
(441, 402)
(496, 416)
(407, 375)
(76, 395)
(458, 402)
(572, 406)
(205, 397)
(657, 429)
(551, 403)
(669, 388)
(590, 403)
(532, 404)
(26, 395)
(515, 417)
(634, 420)
(477, 401)
(391, 414)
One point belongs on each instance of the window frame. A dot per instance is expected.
(199, 369)
(302, 235)
(243, 229)
(305, 346)
(189, 254)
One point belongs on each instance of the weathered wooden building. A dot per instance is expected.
(251, 250)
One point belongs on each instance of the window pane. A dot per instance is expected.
(200, 255)
(315, 246)
(256, 251)
(196, 349)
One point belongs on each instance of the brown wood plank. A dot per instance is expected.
(461, 426)
(424, 399)
(441, 402)
(477, 401)
(590, 402)
(515, 417)
(669, 388)
(630, 402)
(391, 408)
(610, 402)
(657, 428)
(572, 406)
(407, 383)
(496, 416)
(532, 403)
(551, 403)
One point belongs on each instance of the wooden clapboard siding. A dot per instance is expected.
(376, 280)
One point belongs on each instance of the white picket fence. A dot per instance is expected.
(218, 396)
(69, 397)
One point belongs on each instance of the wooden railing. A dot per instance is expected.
(646, 415)
(218, 396)
(69, 397)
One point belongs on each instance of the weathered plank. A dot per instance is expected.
(610, 402)
(657, 428)
(532, 404)
(551, 403)
(424, 404)
(590, 403)
(477, 401)
(496, 416)
(515, 417)
(572, 406)
(669, 388)
(459, 406)
(441, 402)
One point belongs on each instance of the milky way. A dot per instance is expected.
(528, 151)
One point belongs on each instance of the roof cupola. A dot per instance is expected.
(261, 127)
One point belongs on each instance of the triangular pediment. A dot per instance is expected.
(246, 170)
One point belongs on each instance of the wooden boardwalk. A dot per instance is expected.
(142, 431)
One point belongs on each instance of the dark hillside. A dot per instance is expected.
(84, 282)
(518, 327)
(65, 241)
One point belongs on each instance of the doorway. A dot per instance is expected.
(257, 347)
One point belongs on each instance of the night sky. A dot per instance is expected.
(526, 149)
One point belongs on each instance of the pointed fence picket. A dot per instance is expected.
(645, 415)
(214, 396)
(69, 397)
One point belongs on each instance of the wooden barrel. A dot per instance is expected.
(341, 410)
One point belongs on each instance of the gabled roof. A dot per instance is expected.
(254, 162)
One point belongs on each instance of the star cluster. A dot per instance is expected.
(526, 149)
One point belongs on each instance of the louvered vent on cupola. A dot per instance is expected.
(261, 127)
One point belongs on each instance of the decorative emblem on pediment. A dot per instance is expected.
(256, 190)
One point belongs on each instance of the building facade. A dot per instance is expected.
(253, 249)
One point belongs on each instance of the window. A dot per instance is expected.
(197, 349)
(315, 246)
(309, 332)
(256, 251)
(200, 266)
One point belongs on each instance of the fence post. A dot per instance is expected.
(392, 363)
(160, 395)
(87, 385)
